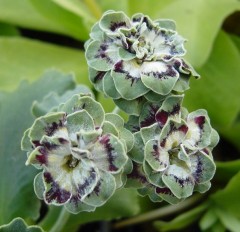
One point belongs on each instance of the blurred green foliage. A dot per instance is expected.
(212, 50)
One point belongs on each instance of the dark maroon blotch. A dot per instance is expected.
(200, 120)
(115, 25)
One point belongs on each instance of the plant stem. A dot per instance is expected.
(116, 110)
(61, 221)
(94, 8)
(158, 213)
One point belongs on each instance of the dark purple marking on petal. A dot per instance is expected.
(181, 182)
(99, 76)
(177, 64)
(162, 117)
(206, 151)
(198, 172)
(151, 117)
(42, 157)
(156, 153)
(81, 188)
(145, 20)
(97, 188)
(102, 53)
(183, 129)
(105, 141)
(200, 120)
(170, 72)
(51, 128)
(36, 143)
(118, 67)
(136, 174)
(116, 25)
(165, 190)
(62, 141)
(55, 192)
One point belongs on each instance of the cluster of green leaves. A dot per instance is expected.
(213, 52)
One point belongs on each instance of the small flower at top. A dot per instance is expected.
(134, 58)
(82, 152)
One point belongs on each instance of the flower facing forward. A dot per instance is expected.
(82, 152)
(177, 149)
(130, 58)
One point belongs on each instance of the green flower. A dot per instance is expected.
(82, 152)
(135, 59)
(177, 148)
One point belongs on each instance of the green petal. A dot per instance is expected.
(87, 103)
(26, 144)
(47, 125)
(166, 194)
(39, 185)
(77, 121)
(111, 22)
(109, 87)
(202, 188)
(104, 189)
(137, 152)
(202, 167)
(96, 32)
(96, 78)
(179, 181)
(150, 132)
(159, 77)
(115, 119)
(153, 177)
(75, 206)
(109, 128)
(109, 154)
(127, 137)
(126, 76)
(131, 107)
(102, 55)
(157, 158)
(166, 23)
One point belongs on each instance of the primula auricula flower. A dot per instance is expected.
(177, 149)
(130, 58)
(82, 152)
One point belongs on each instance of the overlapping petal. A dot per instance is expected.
(81, 154)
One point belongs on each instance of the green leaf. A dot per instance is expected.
(146, 7)
(226, 170)
(22, 13)
(228, 220)
(17, 196)
(115, 5)
(124, 203)
(24, 58)
(8, 30)
(228, 198)
(190, 17)
(181, 221)
(19, 225)
(72, 24)
(218, 90)
(208, 219)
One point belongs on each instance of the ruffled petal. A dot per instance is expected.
(108, 154)
(126, 76)
(156, 157)
(76, 206)
(179, 181)
(104, 189)
(159, 76)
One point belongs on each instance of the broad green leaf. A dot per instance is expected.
(236, 40)
(199, 22)
(19, 225)
(72, 24)
(22, 13)
(228, 220)
(146, 7)
(115, 4)
(226, 170)
(124, 203)
(228, 198)
(17, 196)
(181, 221)
(218, 89)
(24, 58)
(8, 30)
(208, 219)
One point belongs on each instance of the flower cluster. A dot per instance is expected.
(82, 152)
(172, 152)
(137, 59)
(163, 151)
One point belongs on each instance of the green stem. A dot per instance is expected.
(116, 110)
(158, 213)
(94, 8)
(61, 221)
